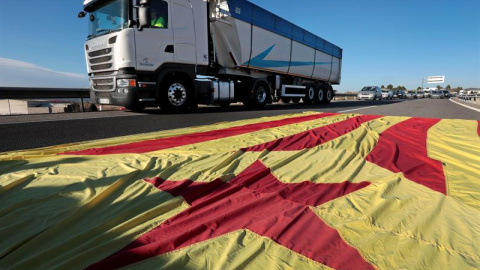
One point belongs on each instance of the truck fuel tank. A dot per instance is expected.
(216, 90)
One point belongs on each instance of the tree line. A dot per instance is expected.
(390, 87)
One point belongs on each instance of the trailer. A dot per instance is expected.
(177, 54)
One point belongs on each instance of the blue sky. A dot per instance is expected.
(384, 42)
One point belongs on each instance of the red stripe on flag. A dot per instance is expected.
(254, 200)
(403, 148)
(314, 137)
(166, 143)
(478, 128)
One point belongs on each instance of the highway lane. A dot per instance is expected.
(34, 131)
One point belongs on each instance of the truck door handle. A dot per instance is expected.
(169, 49)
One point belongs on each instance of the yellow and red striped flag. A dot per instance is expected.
(302, 191)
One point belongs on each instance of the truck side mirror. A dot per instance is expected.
(144, 16)
(82, 14)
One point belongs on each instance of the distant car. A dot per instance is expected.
(420, 94)
(446, 94)
(370, 92)
(411, 94)
(437, 95)
(399, 94)
(427, 94)
(387, 94)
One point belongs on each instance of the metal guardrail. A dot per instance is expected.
(469, 97)
(344, 96)
(29, 92)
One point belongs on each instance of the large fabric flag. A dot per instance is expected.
(301, 191)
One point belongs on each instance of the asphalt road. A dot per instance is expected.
(35, 131)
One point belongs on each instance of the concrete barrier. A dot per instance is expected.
(38, 110)
(10, 106)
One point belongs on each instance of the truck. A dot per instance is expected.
(176, 54)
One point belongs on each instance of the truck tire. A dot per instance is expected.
(296, 100)
(328, 94)
(175, 95)
(260, 94)
(320, 94)
(309, 95)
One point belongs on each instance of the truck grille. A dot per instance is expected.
(100, 52)
(102, 94)
(101, 63)
(103, 83)
(101, 60)
(101, 67)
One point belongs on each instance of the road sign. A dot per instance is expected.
(436, 79)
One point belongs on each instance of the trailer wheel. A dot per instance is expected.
(260, 94)
(296, 100)
(175, 95)
(309, 95)
(328, 94)
(320, 94)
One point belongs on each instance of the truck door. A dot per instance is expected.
(183, 32)
(154, 44)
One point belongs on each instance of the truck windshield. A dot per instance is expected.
(108, 17)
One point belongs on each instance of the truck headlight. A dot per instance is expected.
(126, 83)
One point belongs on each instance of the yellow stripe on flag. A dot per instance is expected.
(238, 142)
(237, 250)
(79, 233)
(457, 145)
(397, 224)
(342, 159)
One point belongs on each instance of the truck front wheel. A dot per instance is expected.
(175, 95)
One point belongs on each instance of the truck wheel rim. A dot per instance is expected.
(177, 94)
(261, 94)
(311, 93)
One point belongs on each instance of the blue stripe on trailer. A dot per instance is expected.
(251, 13)
(259, 61)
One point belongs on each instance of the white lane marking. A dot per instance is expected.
(58, 120)
(357, 109)
(471, 108)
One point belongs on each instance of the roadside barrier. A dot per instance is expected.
(474, 98)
